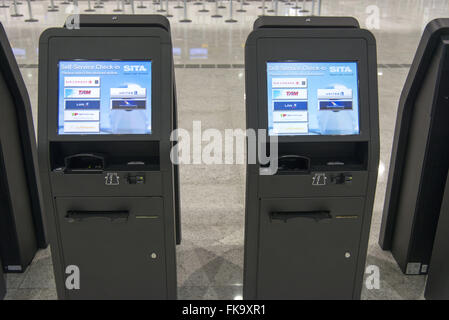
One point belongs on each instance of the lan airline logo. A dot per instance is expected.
(134, 68)
(340, 69)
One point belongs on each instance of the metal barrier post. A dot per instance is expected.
(263, 7)
(16, 10)
(89, 7)
(178, 6)
(161, 9)
(216, 15)
(117, 9)
(296, 7)
(272, 6)
(185, 19)
(30, 12)
(204, 8)
(303, 7)
(168, 14)
(52, 7)
(98, 4)
(241, 7)
(231, 19)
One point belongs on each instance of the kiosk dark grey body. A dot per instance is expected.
(303, 240)
(21, 223)
(111, 199)
(420, 157)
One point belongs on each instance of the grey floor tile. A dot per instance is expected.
(39, 276)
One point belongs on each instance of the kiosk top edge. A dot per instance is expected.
(438, 25)
(123, 20)
(306, 22)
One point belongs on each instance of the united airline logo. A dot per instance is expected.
(134, 68)
(128, 92)
(340, 69)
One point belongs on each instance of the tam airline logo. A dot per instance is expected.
(300, 94)
(82, 93)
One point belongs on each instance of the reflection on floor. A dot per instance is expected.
(210, 82)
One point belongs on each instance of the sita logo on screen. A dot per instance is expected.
(134, 68)
(340, 69)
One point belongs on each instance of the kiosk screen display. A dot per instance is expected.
(104, 97)
(313, 98)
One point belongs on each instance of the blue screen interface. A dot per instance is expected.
(313, 98)
(104, 97)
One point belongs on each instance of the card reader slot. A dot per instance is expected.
(317, 215)
(82, 215)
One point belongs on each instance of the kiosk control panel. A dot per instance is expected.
(105, 118)
(311, 82)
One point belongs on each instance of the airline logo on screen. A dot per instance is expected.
(344, 93)
(70, 93)
(282, 94)
(335, 99)
(128, 92)
(81, 81)
(289, 83)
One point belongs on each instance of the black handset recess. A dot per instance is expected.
(84, 162)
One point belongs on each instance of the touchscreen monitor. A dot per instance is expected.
(104, 97)
(313, 98)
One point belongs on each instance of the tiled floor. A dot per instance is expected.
(210, 259)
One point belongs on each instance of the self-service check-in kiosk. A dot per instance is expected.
(420, 156)
(107, 107)
(22, 230)
(312, 82)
